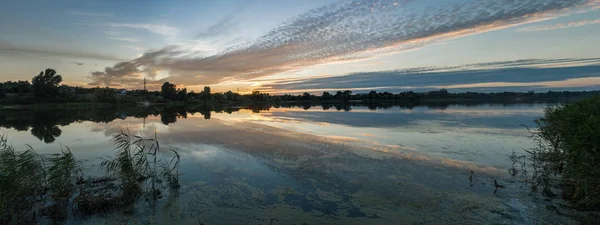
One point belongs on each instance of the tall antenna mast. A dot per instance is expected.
(145, 84)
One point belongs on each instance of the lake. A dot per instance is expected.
(315, 164)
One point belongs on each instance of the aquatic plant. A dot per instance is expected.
(568, 151)
(63, 174)
(31, 188)
(22, 185)
(139, 169)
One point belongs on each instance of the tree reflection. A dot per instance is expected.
(206, 113)
(170, 115)
(45, 127)
(46, 133)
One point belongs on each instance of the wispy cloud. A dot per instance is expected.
(124, 39)
(559, 26)
(222, 27)
(348, 30)
(225, 25)
(28, 51)
(160, 29)
(137, 48)
(92, 14)
(567, 83)
(518, 73)
(79, 63)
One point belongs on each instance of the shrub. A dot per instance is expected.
(569, 146)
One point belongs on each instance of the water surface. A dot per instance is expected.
(317, 165)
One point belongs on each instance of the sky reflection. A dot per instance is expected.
(320, 166)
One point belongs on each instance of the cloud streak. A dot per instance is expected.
(349, 30)
(10, 50)
(137, 48)
(225, 25)
(531, 73)
(124, 39)
(559, 26)
(160, 29)
(90, 14)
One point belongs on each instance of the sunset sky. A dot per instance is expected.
(285, 46)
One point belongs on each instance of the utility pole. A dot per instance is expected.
(145, 84)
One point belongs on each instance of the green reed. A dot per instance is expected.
(32, 187)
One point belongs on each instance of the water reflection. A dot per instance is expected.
(325, 164)
(45, 125)
(243, 170)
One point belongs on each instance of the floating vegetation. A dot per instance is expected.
(32, 188)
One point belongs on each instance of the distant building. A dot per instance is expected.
(122, 91)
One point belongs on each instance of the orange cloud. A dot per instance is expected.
(342, 32)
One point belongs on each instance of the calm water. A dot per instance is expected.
(319, 165)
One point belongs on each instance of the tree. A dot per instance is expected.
(326, 96)
(372, 95)
(205, 94)
(182, 94)
(108, 95)
(231, 96)
(306, 96)
(168, 91)
(46, 83)
(219, 97)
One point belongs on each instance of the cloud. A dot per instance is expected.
(349, 30)
(225, 25)
(559, 26)
(222, 27)
(124, 39)
(567, 83)
(160, 29)
(92, 14)
(79, 63)
(137, 48)
(11, 50)
(531, 73)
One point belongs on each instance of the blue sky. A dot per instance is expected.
(283, 46)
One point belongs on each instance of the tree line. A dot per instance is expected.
(46, 87)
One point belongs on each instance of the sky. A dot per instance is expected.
(296, 46)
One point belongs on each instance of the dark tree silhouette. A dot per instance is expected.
(205, 94)
(168, 116)
(326, 96)
(45, 126)
(169, 91)
(46, 83)
(46, 133)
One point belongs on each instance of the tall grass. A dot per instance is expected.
(140, 169)
(568, 151)
(31, 187)
(63, 174)
(22, 185)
